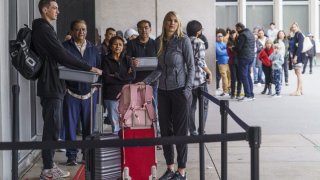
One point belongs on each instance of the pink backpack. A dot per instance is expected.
(135, 106)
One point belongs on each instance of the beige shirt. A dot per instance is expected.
(81, 47)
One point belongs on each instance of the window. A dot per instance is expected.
(259, 15)
(226, 16)
(296, 13)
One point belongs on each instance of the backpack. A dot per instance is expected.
(135, 106)
(23, 58)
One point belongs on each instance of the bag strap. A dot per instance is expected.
(133, 97)
(148, 102)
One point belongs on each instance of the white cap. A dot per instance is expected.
(130, 32)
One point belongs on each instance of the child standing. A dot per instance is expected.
(277, 61)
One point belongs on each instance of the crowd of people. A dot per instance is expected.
(245, 58)
(180, 72)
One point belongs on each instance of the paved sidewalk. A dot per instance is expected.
(290, 148)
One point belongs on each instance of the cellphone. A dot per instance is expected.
(207, 76)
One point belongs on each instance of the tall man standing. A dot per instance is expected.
(245, 53)
(77, 103)
(50, 88)
(144, 46)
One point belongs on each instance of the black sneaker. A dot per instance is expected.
(169, 174)
(178, 176)
(71, 162)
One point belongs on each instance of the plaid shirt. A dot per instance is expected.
(199, 61)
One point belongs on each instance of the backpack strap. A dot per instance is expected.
(148, 102)
(133, 97)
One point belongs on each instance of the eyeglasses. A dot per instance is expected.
(219, 36)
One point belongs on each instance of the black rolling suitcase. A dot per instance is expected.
(102, 163)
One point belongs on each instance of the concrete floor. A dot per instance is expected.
(290, 148)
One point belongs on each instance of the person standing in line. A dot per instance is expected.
(118, 71)
(76, 104)
(175, 72)
(277, 60)
(50, 88)
(110, 32)
(310, 54)
(203, 74)
(144, 46)
(234, 66)
(272, 31)
(245, 51)
(297, 57)
(267, 66)
(222, 60)
(284, 45)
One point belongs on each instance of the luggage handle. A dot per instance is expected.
(100, 122)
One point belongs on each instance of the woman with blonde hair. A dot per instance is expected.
(297, 56)
(175, 72)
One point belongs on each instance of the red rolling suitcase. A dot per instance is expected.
(139, 163)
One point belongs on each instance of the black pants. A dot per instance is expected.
(268, 74)
(285, 67)
(192, 123)
(235, 79)
(52, 117)
(173, 109)
(306, 60)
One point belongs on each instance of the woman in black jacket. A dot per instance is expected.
(117, 72)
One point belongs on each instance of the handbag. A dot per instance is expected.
(307, 44)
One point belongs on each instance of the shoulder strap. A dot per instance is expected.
(148, 102)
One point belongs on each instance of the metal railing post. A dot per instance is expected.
(201, 130)
(254, 142)
(15, 129)
(224, 144)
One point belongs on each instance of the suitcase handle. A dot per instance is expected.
(99, 123)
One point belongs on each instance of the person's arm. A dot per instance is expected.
(189, 61)
(154, 76)
(56, 50)
(300, 46)
(240, 44)
(221, 50)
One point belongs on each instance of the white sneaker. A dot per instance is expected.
(245, 99)
(60, 172)
(276, 96)
(259, 84)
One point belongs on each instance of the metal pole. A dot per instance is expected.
(224, 144)
(254, 142)
(15, 129)
(201, 130)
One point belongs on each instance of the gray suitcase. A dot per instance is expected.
(102, 163)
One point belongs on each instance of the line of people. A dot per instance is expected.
(180, 72)
(245, 58)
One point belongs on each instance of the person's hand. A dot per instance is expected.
(135, 62)
(209, 78)
(141, 84)
(294, 60)
(96, 70)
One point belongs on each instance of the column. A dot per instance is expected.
(242, 11)
(5, 91)
(314, 18)
(278, 14)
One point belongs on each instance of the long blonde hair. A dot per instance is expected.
(295, 23)
(162, 37)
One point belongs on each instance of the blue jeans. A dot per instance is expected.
(244, 65)
(276, 76)
(112, 108)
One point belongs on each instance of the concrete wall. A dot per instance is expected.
(124, 14)
(5, 117)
